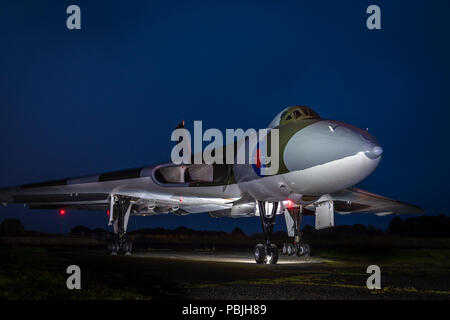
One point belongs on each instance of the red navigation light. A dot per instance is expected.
(289, 204)
(62, 212)
(107, 211)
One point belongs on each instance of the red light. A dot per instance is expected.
(62, 212)
(289, 204)
(107, 211)
(258, 158)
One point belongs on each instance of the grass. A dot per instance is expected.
(346, 268)
(33, 273)
(39, 273)
(409, 260)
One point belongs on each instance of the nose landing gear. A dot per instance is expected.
(267, 253)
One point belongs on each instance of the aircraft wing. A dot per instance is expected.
(146, 196)
(354, 200)
(144, 203)
(74, 201)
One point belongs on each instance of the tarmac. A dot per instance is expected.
(224, 257)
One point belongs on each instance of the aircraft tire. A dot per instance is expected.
(113, 248)
(260, 254)
(300, 250)
(290, 249)
(128, 248)
(124, 247)
(109, 247)
(307, 250)
(285, 248)
(274, 250)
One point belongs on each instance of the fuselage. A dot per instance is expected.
(316, 157)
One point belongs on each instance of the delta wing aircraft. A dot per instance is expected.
(319, 163)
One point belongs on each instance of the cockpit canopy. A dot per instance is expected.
(292, 114)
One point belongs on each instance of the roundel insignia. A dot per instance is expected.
(258, 162)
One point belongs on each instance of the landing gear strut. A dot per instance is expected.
(299, 247)
(119, 215)
(267, 252)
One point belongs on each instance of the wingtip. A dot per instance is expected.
(416, 209)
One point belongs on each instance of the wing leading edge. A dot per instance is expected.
(354, 200)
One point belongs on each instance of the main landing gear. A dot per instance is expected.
(119, 215)
(267, 252)
(298, 248)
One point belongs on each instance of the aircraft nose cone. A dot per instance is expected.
(332, 155)
(375, 152)
(327, 141)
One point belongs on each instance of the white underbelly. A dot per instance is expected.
(318, 180)
(332, 176)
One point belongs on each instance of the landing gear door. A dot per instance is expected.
(324, 215)
(289, 222)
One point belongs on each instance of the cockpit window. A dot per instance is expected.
(292, 114)
(297, 113)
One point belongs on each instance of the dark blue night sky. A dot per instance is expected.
(108, 96)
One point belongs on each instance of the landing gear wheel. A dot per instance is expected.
(116, 247)
(300, 250)
(273, 258)
(113, 248)
(130, 248)
(285, 248)
(126, 248)
(290, 249)
(260, 254)
(307, 250)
